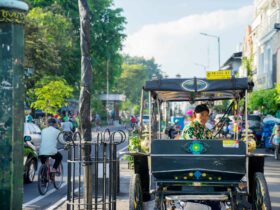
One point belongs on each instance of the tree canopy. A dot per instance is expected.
(52, 48)
(52, 40)
(49, 46)
(264, 101)
(51, 96)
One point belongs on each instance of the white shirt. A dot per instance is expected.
(67, 126)
(49, 141)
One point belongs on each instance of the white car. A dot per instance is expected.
(32, 130)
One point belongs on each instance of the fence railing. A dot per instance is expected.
(101, 168)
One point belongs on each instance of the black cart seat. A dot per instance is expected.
(206, 161)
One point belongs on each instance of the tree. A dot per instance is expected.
(127, 81)
(277, 95)
(49, 45)
(107, 34)
(263, 100)
(135, 72)
(85, 97)
(52, 96)
(151, 67)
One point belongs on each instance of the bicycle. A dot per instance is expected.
(45, 177)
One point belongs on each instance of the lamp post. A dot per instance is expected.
(219, 46)
(107, 90)
(12, 19)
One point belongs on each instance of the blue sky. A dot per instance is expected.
(170, 30)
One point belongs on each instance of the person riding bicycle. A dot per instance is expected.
(197, 128)
(48, 147)
(132, 121)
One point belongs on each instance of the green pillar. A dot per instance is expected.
(12, 16)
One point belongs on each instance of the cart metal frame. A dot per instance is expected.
(197, 170)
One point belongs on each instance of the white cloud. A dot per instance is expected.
(177, 45)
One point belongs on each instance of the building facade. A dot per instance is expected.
(266, 43)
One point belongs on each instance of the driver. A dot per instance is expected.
(197, 128)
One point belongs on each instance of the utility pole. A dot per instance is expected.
(12, 19)
(85, 96)
(107, 89)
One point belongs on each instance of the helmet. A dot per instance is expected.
(51, 121)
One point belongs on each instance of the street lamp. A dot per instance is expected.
(219, 47)
(107, 84)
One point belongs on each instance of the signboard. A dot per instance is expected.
(230, 144)
(223, 74)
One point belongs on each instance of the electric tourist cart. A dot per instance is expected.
(221, 173)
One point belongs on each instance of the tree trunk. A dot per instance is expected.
(85, 93)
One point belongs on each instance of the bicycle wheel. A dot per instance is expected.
(43, 180)
(58, 177)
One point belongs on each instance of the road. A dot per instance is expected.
(32, 199)
(272, 174)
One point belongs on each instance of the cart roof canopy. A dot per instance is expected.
(197, 89)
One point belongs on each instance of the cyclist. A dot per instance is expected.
(48, 147)
(132, 121)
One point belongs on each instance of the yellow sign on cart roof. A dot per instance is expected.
(222, 74)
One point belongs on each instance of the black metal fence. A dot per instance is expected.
(102, 168)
